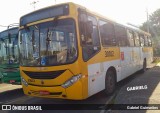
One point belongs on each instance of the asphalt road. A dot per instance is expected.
(17, 97)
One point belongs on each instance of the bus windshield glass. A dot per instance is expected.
(9, 50)
(49, 43)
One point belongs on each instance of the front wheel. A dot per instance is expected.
(110, 82)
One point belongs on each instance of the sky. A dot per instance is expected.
(123, 11)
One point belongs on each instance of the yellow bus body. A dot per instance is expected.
(80, 89)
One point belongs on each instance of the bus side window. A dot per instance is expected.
(141, 37)
(82, 25)
(146, 41)
(149, 42)
(89, 35)
(136, 39)
(94, 36)
(130, 38)
(121, 35)
(107, 33)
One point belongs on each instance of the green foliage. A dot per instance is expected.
(154, 28)
(154, 24)
(154, 21)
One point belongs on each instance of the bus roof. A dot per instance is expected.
(47, 12)
(13, 30)
(113, 21)
(94, 13)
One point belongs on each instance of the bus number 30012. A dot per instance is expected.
(109, 53)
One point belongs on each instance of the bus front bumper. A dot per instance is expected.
(73, 92)
(11, 78)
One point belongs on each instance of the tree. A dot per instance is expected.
(154, 23)
(154, 28)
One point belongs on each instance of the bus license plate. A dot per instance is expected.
(44, 92)
(12, 81)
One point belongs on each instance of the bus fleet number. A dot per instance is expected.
(109, 53)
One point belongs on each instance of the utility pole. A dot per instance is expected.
(147, 20)
(147, 14)
(34, 4)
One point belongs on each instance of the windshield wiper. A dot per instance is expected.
(33, 41)
(48, 35)
(47, 41)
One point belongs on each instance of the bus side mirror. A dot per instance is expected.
(89, 28)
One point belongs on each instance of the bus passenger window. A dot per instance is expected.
(121, 35)
(82, 25)
(130, 38)
(89, 41)
(146, 41)
(141, 40)
(94, 35)
(136, 39)
(149, 42)
(107, 33)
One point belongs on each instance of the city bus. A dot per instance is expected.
(70, 52)
(9, 56)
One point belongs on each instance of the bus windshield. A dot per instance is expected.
(9, 50)
(49, 43)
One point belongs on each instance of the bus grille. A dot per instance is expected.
(44, 75)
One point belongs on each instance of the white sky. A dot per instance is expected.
(132, 11)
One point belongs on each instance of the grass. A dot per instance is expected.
(156, 61)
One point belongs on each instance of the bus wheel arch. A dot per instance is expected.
(110, 80)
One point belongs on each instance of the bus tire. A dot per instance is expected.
(144, 69)
(110, 82)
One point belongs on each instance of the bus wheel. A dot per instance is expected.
(144, 66)
(110, 82)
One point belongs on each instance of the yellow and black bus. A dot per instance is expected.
(69, 52)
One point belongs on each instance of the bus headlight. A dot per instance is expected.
(24, 82)
(71, 81)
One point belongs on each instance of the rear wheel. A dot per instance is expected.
(110, 82)
(144, 69)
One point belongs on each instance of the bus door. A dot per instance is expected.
(126, 61)
(136, 58)
(127, 56)
(90, 47)
(141, 39)
(136, 54)
(125, 51)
